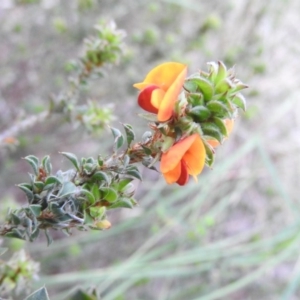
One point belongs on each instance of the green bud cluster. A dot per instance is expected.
(16, 274)
(105, 47)
(212, 98)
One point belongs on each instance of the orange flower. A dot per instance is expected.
(184, 158)
(229, 126)
(161, 88)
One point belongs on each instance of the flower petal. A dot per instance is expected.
(166, 108)
(157, 97)
(171, 158)
(173, 175)
(163, 75)
(184, 175)
(194, 157)
(144, 99)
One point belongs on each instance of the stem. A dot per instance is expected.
(22, 126)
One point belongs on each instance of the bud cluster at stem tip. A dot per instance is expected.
(192, 115)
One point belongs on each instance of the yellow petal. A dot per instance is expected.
(194, 157)
(163, 75)
(166, 108)
(173, 175)
(157, 97)
(171, 158)
(141, 85)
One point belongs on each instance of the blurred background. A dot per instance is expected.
(233, 235)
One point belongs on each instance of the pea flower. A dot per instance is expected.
(229, 126)
(161, 88)
(184, 158)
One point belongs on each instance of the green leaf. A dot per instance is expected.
(35, 233)
(195, 99)
(223, 86)
(238, 87)
(97, 212)
(90, 197)
(126, 160)
(191, 86)
(15, 219)
(95, 191)
(38, 186)
(213, 70)
(220, 123)
(87, 218)
(119, 139)
(73, 159)
(130, 136)
(16, 233)
(210, 156)
(46, 164)
(67, 189)
(101, 176)
(29, 193)
(56, 209)
(134, 172)
(34, 162)
(40, 294)
(52, 180)
(212, 130)
(147, 150)
(110, 194)
(222, 72)
(201, 112)
(81, 295)
(123, 202)
(89, 168)
(123, 184)
(240, 101)
(36, 209)
(49, 237)
(218, 108)
(204, 86)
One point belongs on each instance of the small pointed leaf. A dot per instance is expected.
(218, 109)
(40, 294)
(222, 72)
(29, 193)
(34, 162)
(67, 189)
(202, 113)
(130, 136)
(52, 180)
(219, 122)
(240, 101)
(90, 197)
(119, 139)
(110, 194)
(212, 130)
(73, 159)
(47, 165)
(101, 176)
(123, 202)
(36, 209)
